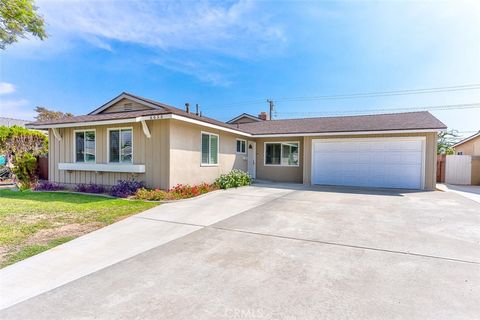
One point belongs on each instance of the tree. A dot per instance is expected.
(18, 18)
(446, 141)
(16, 141)
(22, 146)
(44, 114)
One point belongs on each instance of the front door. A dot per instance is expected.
(252, 155)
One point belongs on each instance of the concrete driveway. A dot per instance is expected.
(323, 253)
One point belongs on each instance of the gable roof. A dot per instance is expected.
(244, 115)
(379, 122)
(467, 139)
(409, 121)
(155, 105)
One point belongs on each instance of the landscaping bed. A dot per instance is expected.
(32, 222)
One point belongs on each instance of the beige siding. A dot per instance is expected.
(152, 152)
(471, 147)
(185, 154)
(120, 106)
(430, 155)
(279, 173)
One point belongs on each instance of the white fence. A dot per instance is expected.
(458, 169)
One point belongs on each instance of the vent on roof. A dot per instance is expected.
(128, 107)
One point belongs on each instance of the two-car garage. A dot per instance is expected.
(393, 162)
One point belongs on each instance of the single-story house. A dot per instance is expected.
(134, 137)
(469, 146)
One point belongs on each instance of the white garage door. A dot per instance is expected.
(375, 162)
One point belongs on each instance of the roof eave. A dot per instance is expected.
(467, 139)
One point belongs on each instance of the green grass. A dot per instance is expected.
(32, 222)
(32, 250)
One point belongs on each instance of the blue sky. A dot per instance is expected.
(231, 56)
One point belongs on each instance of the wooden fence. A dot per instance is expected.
(441, 159)
(42, 166)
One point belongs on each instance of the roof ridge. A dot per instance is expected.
(352, 116)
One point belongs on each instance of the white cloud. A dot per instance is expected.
(6, 88)
(16, 109)
(232, 30)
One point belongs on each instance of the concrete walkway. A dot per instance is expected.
(470, 192)
(123, 240)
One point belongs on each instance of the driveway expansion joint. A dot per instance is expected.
(346, 245)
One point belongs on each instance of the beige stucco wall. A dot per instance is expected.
(185, 154)
(279, 173)
(152, 152)
(471, 147)
(430, 155)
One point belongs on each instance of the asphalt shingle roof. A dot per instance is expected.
(379, 122)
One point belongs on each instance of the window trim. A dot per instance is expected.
(108, 146)
(209, 150)
(245, 141)
(281, 154)
(75, 145)
(459, 153)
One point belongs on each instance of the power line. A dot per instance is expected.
(384, 93)
(354, 95)
(475, 105)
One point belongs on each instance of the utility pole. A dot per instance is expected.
(272, 108)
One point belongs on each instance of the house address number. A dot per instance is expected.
(155, 117)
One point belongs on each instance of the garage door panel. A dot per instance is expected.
(371, 163)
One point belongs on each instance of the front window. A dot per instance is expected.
(120, 145)
(209, 149)
(241, 146)
(85, 146)
(281, 154)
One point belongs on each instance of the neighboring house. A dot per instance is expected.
(131, 136)
(247, 118)
(9, 122)
(469, 146)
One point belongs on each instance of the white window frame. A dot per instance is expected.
(460, 153)
(108, 146)
(245, 143)
(281, 154)
(75, 145)
(209, 150)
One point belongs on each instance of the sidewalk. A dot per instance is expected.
(470, 192)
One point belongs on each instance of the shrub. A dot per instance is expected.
(25, 171)
(89, 188)
(233, 179)
(154, 195)
(125, 188)
(48, 186)
(180, 191)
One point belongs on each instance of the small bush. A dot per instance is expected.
(48, 186)
(233, 179)
(180, 191)
(25, 171)
(89, 188)
(153, 195)
(126, 188)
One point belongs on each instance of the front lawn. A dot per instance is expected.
(32, 222)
